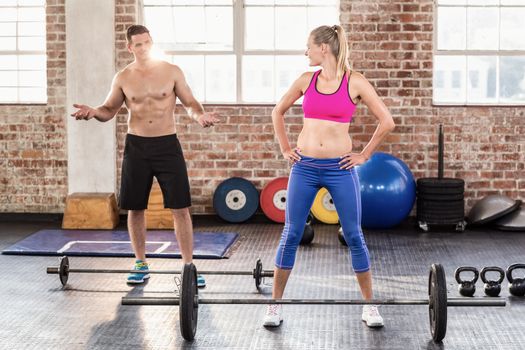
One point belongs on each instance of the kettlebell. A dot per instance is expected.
(341, 236)
(467, 288)
(516, 285)
(308, 233)
(492, 287)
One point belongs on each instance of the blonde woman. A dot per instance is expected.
(324, 158)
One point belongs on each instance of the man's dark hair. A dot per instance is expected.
(135, 29)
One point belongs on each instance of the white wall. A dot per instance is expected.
(90, 47)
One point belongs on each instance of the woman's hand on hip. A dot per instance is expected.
(350, 160)
(291, 155)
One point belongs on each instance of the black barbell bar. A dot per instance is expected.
(63, 270)
(221, 301)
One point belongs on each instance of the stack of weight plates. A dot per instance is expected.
(440, 201)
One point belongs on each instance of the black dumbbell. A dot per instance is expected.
(492, 287)
(516, 285)
(467, 288)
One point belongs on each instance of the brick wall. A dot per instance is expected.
(33, 154)
(390, 42)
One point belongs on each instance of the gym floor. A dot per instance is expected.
(38, 314)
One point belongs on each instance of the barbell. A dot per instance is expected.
(63, 271)
(188, 301)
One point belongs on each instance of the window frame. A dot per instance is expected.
(17, 52)
(238, 50)
(466, 53)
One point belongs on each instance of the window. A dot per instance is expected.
(480, 52)
(235, 51)
(23, 76)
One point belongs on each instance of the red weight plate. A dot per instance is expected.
(273, 199)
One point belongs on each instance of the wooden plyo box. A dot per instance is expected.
(157, 217)
(85, 210)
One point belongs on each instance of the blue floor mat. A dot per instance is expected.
(159, 244)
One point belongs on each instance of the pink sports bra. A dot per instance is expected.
(335, 107)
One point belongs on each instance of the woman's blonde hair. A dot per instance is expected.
(335, 38)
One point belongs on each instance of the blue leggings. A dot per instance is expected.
(306, 178)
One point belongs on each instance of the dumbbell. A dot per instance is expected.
(516, 285)
(492, 287)
(467, 288)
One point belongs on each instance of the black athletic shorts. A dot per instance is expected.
(147, 157)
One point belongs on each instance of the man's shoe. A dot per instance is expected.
(136, 278)
(274, 315)
(201, 282)
(371, 316)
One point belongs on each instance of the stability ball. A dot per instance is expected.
(388, 191)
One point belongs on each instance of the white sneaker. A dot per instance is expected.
(274, 315)
(371, 316)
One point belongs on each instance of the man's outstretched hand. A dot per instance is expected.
(208, 119)
(83, 112)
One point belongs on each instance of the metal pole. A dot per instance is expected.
(55, 270)
(450, 302)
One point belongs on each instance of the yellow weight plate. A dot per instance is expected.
(323, 208)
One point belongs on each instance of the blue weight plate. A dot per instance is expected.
(235, 200)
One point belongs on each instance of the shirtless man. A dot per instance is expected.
(149, 88)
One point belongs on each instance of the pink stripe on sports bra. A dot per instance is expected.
(335, 107)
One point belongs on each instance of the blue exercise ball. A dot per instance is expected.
(388, 191)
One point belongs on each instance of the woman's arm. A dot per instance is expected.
(386, 124)
(293, 94)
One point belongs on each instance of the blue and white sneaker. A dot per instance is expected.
(136, 278)
(201, 283)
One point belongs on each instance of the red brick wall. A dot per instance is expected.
(390, 42)
(33, 153)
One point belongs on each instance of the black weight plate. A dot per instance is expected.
(257, 273)
(440, 183)
(189, 302)
(235, 200)
(440, 197)
(441, 215)
(438, 205)
(437, 306)
(63, 271)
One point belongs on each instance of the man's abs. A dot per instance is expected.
(152, 116)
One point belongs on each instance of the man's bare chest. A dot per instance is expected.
(141, 87)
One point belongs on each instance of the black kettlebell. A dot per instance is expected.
(308, 233)
(517, 285)
(341, 236)
(467, 288)
(492, 287)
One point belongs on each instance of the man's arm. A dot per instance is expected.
(193, 107)
(108, 109)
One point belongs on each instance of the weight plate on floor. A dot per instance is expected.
(235, 200)
(257, 273)
(189, 302)
(63, 271)
(273, 199)
(323, 208)
(437, 306)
